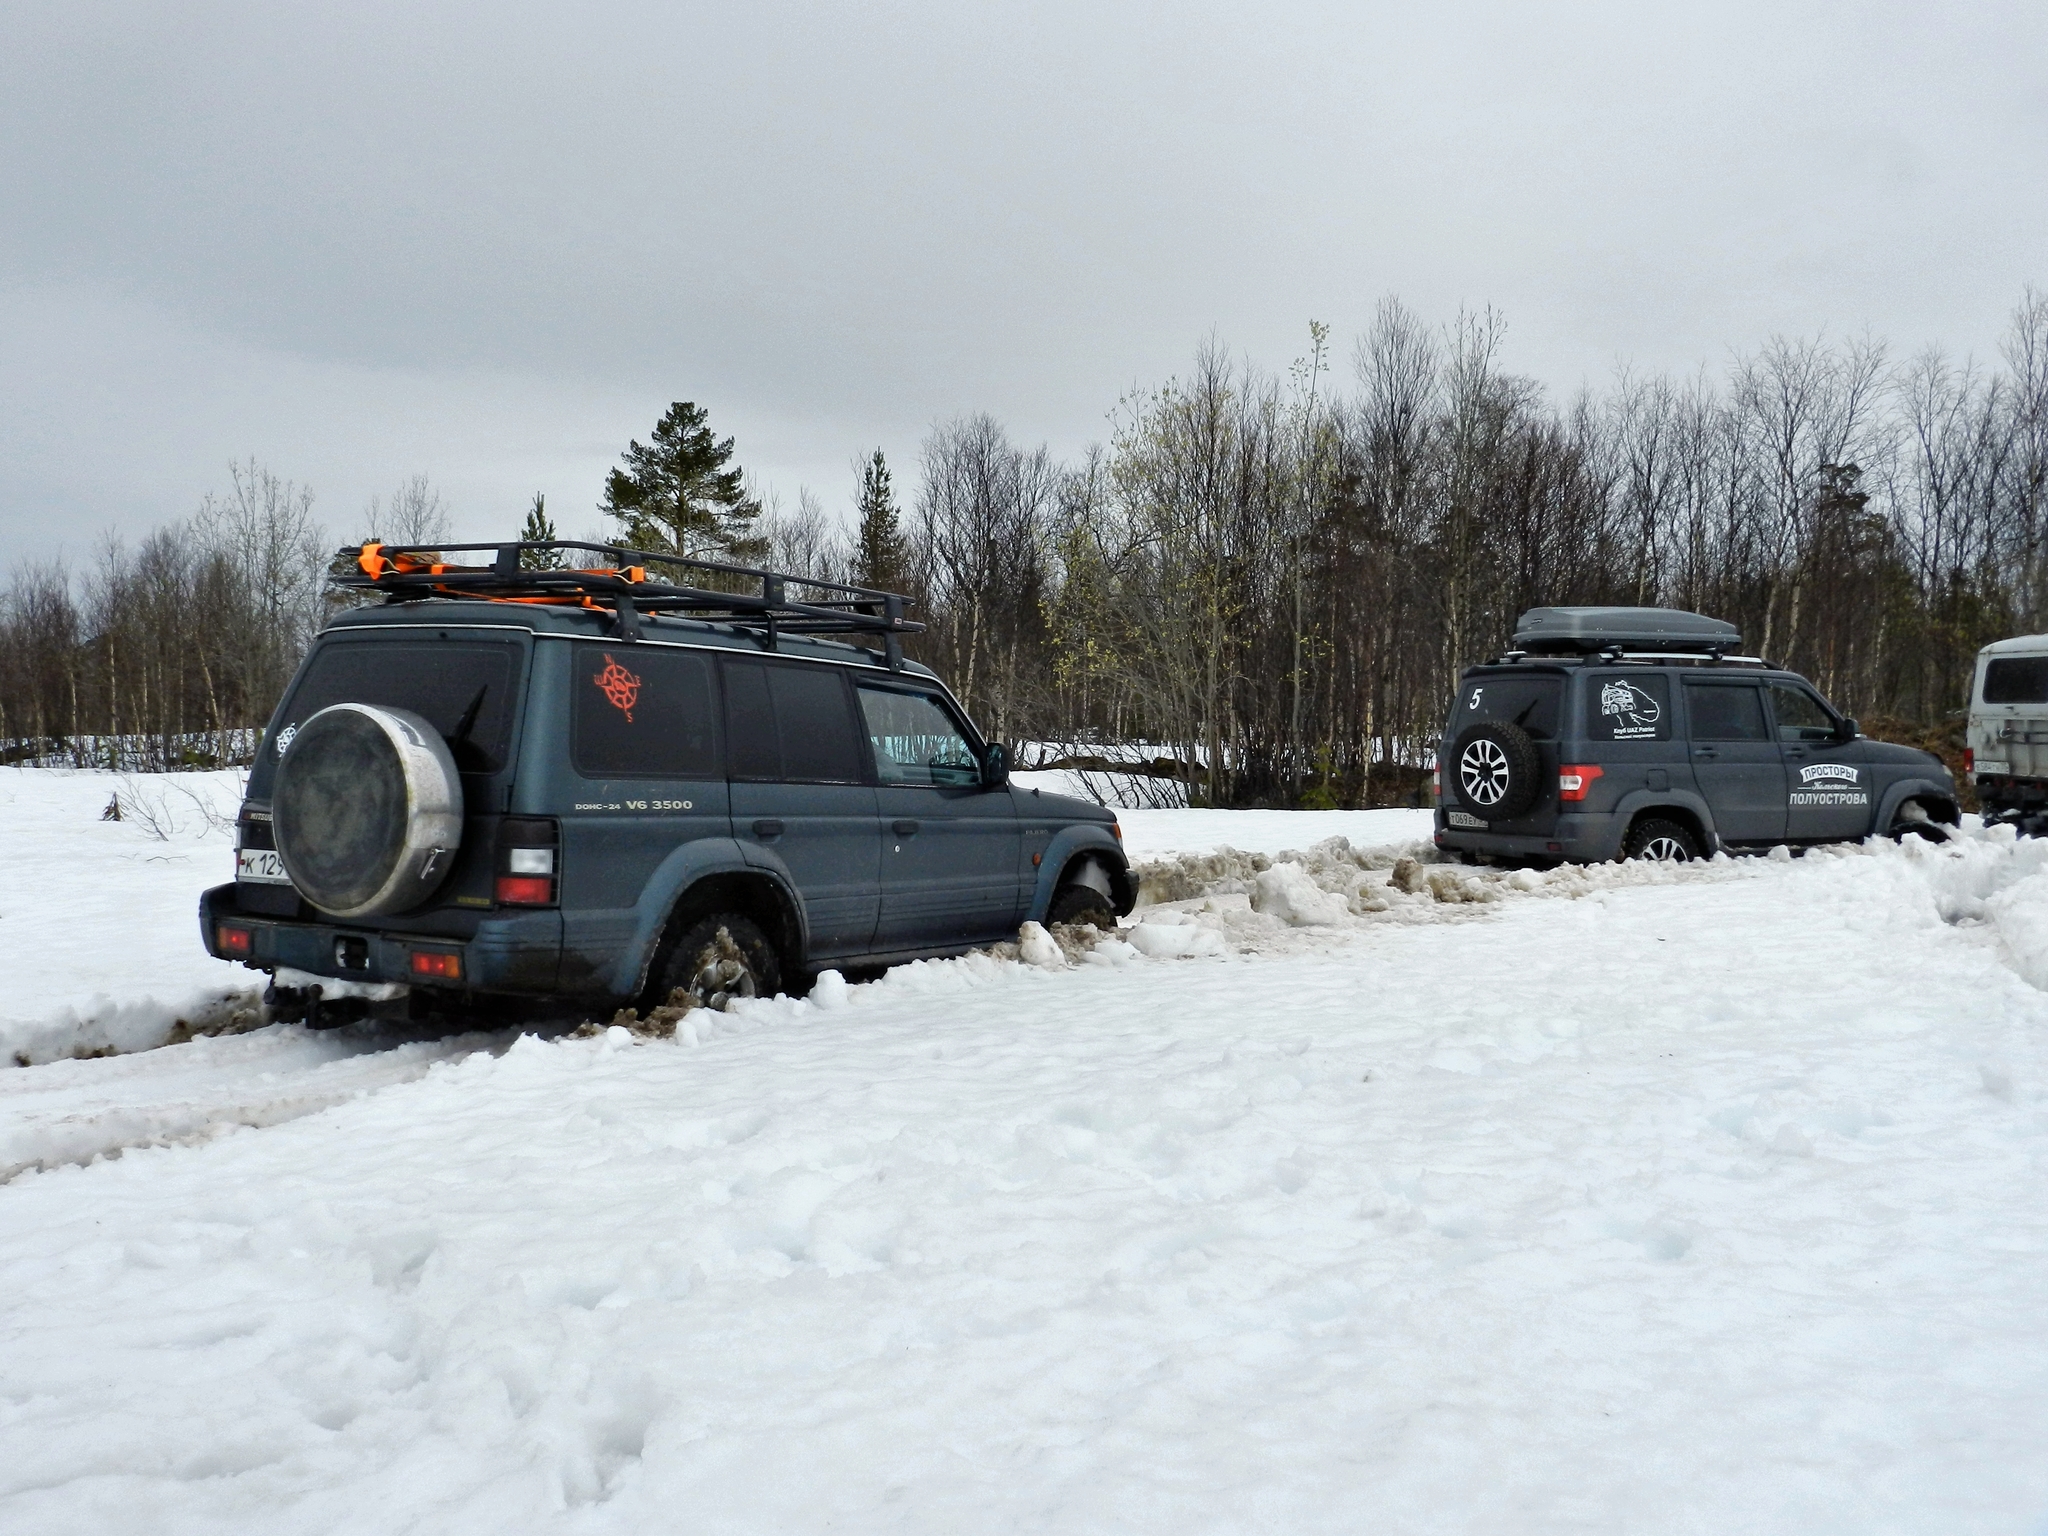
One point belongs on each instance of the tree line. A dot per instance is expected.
(1271, 581)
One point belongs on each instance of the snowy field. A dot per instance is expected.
(1345, 1192)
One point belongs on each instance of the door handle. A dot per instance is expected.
(905, 828)
(1706, 751)
(767, 828)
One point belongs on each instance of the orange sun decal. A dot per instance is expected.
(619, 685)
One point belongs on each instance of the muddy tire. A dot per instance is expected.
(716, 961)
(1079, 904)
(1665, 842)
(1496, 771)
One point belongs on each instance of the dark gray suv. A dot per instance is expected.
(598, 787)
(1639, 733)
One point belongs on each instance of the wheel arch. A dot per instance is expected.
(1669, 810)
(1072, 850)
(1939, 801)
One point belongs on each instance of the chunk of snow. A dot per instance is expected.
(1290, 893)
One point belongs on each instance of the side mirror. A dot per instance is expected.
(995, 766)
(1850, 729)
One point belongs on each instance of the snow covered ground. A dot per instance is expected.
(1344, 1193)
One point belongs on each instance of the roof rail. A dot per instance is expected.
(404, 572)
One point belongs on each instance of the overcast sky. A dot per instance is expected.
(489, 243)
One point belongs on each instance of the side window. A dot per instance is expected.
(915, 740)
(643, 713)
(1628, 708)
(1799, 713)
(790, 723)
(1727, 712)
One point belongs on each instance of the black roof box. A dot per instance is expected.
(1583, 630)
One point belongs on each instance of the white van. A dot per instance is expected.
(2008, 738)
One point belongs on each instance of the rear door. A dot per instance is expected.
(1735, 759)
(951, 845)
(1828, 789)
(799, 792)
(2009, 716)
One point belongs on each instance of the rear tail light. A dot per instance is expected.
(1574, 779)
(529, 861)
(525, 890)
(1436, 782)
(234, 941)
(1969, 759)
(437, 964)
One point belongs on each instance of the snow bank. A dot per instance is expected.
(1532, 1214)
(99, 926)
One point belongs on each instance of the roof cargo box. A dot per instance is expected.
(1572, 630)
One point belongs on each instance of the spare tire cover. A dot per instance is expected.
(1496, 770)
(367, 809)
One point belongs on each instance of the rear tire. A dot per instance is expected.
(717, 960)
(1079, 904)
(1661, 840)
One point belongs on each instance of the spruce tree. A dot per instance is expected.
(676, 494)
(881, 555)
(538, 526)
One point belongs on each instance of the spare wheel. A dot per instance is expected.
(368, 810)
(1496, 770)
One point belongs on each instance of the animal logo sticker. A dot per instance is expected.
(621, 687)
(1628, 710)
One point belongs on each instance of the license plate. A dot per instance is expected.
(1467, 819)
(261, 866)
(1984, 767)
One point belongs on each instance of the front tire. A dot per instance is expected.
(715, 961)
(1079, 904)
(1661, 840)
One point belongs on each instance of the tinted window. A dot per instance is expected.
(915, 740)
(1533, 703)
(791, 723)
(1628, 707)
(642, 712)
(1732, 713)
(1799, 714)
(2016, 680)
(754, 752)
(463, 688)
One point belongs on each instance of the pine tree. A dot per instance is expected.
(881, 554)
(676, 494)
(538, 526)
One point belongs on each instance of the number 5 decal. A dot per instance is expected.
(1473, 702)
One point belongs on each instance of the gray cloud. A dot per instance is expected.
(489, 243)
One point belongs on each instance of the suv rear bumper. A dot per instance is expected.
(516, 954)
(1581, 838)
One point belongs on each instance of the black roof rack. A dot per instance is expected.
(404, 572)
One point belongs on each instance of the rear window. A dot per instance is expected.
(2016, 680)
(1628, 707)
(791, 724)
(1533, 703)
(643, 713)
(465, 689)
